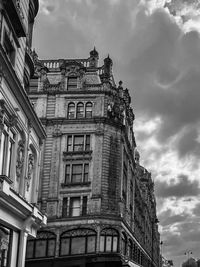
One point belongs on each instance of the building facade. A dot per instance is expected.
(99, 201)
(21, 134)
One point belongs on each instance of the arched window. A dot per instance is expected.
(78, 241)
(80, 110)
(41, 247)
(71, 111)
(88, 110)
(109, 240)
(124, 244)
(130, 249)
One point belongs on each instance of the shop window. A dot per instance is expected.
(80, 110)
(77, 173)
(41, 247)
(6, 150)
(77, 206)
(109, 240)
(88, 110)
(5, 245)
(71, 111)
(79, 241)
(72, 83)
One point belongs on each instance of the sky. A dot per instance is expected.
(155, 48)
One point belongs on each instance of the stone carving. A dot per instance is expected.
(30, 170)
(13, 120)
(20, 158)
(2, 114)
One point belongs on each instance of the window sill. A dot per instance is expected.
(75, 184)
(82, 152)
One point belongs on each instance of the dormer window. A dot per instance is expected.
(71, 83)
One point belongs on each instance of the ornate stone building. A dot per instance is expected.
(21, 134)
(99, 200)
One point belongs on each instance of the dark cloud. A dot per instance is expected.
(182, 188)
(167, 218)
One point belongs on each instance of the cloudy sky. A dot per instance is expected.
(155, 47)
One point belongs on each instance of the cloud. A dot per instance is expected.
(182, 188)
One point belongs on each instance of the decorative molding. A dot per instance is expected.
(31, 161)
(20, 158)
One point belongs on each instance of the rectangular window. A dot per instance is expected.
(84, 206)
(87, 143)
(78, 245)
(6, 245)
(64, 246)
(29, 249)
(91, 243)
(9, 48)
(77, 170)
(102, 242)
(108, 243)
(69, 143)
(6, 151)
(71, 83)
(40, 248)
(76, 173)
(51, 248)
(78, 143)
(75, 207)
(64, 208)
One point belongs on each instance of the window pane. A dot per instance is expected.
(80, 110)
(87, 143)
(86, 171)
(40, 248)
(51, 248)
(29, 249)
(78, 245)
(71, 111)
(69, 143)
(77, 173)
(2, 152)
(88, 110)
(102, 241)
(72, 83)
(64, 246)
(64, 209)
(108, 243)
(115, 243)
(67, 174)
(75, 207)
(79, 143)
(84, 207)
(91, 244)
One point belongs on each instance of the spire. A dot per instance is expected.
(94, 56)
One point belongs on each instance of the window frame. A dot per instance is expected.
(88, 110)
(80, 110)
(72, 83)
(71, 143)
(81, 233)
(67, 209)
(105, 233)
(71, 111)
(52, 237)
(70, 175)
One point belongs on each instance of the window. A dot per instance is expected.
(71, 111)
(79, 241)
(72, 83)
(109, 240)
(42, 246)
(76, 173)
(88, 110)
(77, 206)
(5, 245)
(78, 143)
(130, 249)
(9, 48)
(80, 110)
(124, 244)
(125, 176)
(6, 150)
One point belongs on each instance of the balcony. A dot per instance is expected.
(14, 12)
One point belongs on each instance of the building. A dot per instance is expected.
(21, 134)
(99, 200)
